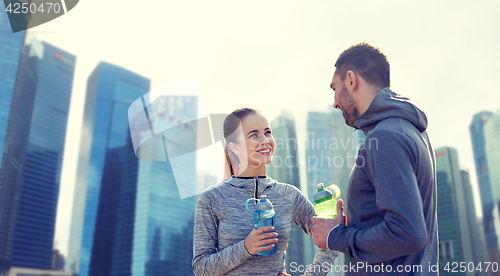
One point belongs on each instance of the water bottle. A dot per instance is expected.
(264, 216)
(325, 203)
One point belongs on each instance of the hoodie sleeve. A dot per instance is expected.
(390, 167)
(207, 261)
(303, 212)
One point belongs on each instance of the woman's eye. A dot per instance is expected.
(253, 135)
(268, 133)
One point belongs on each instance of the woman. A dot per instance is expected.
(225, 240)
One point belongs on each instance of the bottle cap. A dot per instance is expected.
(321, 194)
(264, 203)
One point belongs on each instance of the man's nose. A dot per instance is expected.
(336, 105)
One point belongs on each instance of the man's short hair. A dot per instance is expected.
(366, 60)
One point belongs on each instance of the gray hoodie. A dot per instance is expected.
(391, 199)
(222, 223)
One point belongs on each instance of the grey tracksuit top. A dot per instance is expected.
(222, 223)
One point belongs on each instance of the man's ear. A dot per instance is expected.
(352, 81)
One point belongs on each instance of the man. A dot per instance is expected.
(390, 227)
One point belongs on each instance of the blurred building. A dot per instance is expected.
(489, 205)
(285, 168)
(10, 53)
(134, 220)
(330, 154)
(476, 235)
(331, 150)
(163, 233)
(319, 135)
(35, 94)
(458, 234)
(106, 172)
(492, 147)
(58, 260)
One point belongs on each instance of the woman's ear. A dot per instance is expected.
(235, 148)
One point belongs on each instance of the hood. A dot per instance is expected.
(388, 104)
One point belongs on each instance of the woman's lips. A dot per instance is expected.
(266, 151)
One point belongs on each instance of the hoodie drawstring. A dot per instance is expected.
(256, 182)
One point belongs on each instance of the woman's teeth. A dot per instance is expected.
(265, 151)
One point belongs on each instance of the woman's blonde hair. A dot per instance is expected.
(230, 127)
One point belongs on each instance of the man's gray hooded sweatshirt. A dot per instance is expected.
(391, 200)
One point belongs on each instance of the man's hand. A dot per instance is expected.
(256, 239)
(322, 227)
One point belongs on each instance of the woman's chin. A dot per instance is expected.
(262, 160)
(267, 159)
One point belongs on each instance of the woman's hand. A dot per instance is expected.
(284, 274)
(256, 239)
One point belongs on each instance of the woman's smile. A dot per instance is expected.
(265, 151)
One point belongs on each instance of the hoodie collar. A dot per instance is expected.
(249, 182)
(388, 104)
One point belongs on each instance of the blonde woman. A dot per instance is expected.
(225, 240)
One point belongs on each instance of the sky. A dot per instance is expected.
(276, 55)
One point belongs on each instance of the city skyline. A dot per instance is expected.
(429, 64)
(285, 59)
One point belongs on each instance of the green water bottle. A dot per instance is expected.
(325, 203)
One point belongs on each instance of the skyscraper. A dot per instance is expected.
(452, 209)
(10, 52)
(330, 152)
(492, 147)
(284, 168)
(33, 148)
(318, 152)
(105, 167)
(163, 231)
(476, 237)
(485, 186)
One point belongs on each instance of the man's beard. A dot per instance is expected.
(350, 111)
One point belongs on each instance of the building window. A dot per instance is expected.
(446, 250)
